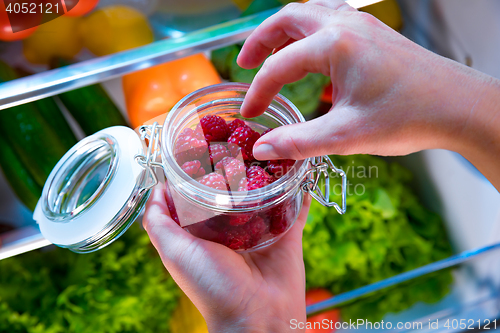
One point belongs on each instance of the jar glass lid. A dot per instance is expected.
(94, 191)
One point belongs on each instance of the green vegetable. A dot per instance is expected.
(124, 288)
(386, 231)
(18, 176)
(91, 106)
(36, 143)
(50, 111)
(305, 93)
(258, 6)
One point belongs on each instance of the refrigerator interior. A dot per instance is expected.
(445, 181)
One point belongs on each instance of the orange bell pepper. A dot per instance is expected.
(152, 92)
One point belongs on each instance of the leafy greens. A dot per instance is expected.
(386, 231)
(124, 288)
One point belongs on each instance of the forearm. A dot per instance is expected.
(477, 107)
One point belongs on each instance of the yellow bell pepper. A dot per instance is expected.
(113, 29)
(54, 39)
(186, 318)
(388, 12)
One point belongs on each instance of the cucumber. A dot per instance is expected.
(90, 106)
(36, 144)
(50, 111)
(18, 176)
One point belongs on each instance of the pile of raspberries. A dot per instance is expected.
(220, 155)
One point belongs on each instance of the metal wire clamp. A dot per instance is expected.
(148, 162)
(310, 185)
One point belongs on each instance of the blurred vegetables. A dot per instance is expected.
(330, 316)
(124, 288)
(51, 113)
(242, 4)
(305, 93)
(154, 91)
(79, 7)
(21, 181)
(386, 231)
(257, 6)
(186, 318)
(91, 106)
(36, 143)
(386, 11)
(56, 38)
(113, 29)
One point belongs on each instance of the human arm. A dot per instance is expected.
(390, 96)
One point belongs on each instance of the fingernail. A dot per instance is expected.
(265, 151)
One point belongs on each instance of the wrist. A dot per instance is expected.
(473, 107)
(476, 112)
(263, 320)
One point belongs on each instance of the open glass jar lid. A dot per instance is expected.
(214, 187)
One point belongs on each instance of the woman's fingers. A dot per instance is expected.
(295, 21)
(334, 133)
(170, 240)
(286, 66)
(335, 5)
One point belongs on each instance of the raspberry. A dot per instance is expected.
(252, 163)
(235, 124)
(193, 169)
(243, 139)
(190, 145)
(255, 228)
(266, 131)
(236, 239)
(279, 167)
(256, 183)
(218, 223)
(217, 152)
(241, 238)
(215, 128)
(257, 178)
(256, 171)
(243, 185)
(214, 180)
(171, 206)
(240, 219)
(233, 170)
(278, 219)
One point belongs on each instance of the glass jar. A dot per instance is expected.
(101, 185)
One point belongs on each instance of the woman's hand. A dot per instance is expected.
(253, 292)
(390, 96)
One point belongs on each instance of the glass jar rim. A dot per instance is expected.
(224, 201)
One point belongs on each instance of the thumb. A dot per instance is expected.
(329, 134)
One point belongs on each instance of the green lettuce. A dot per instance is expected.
(124, 288)
(385, 231)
